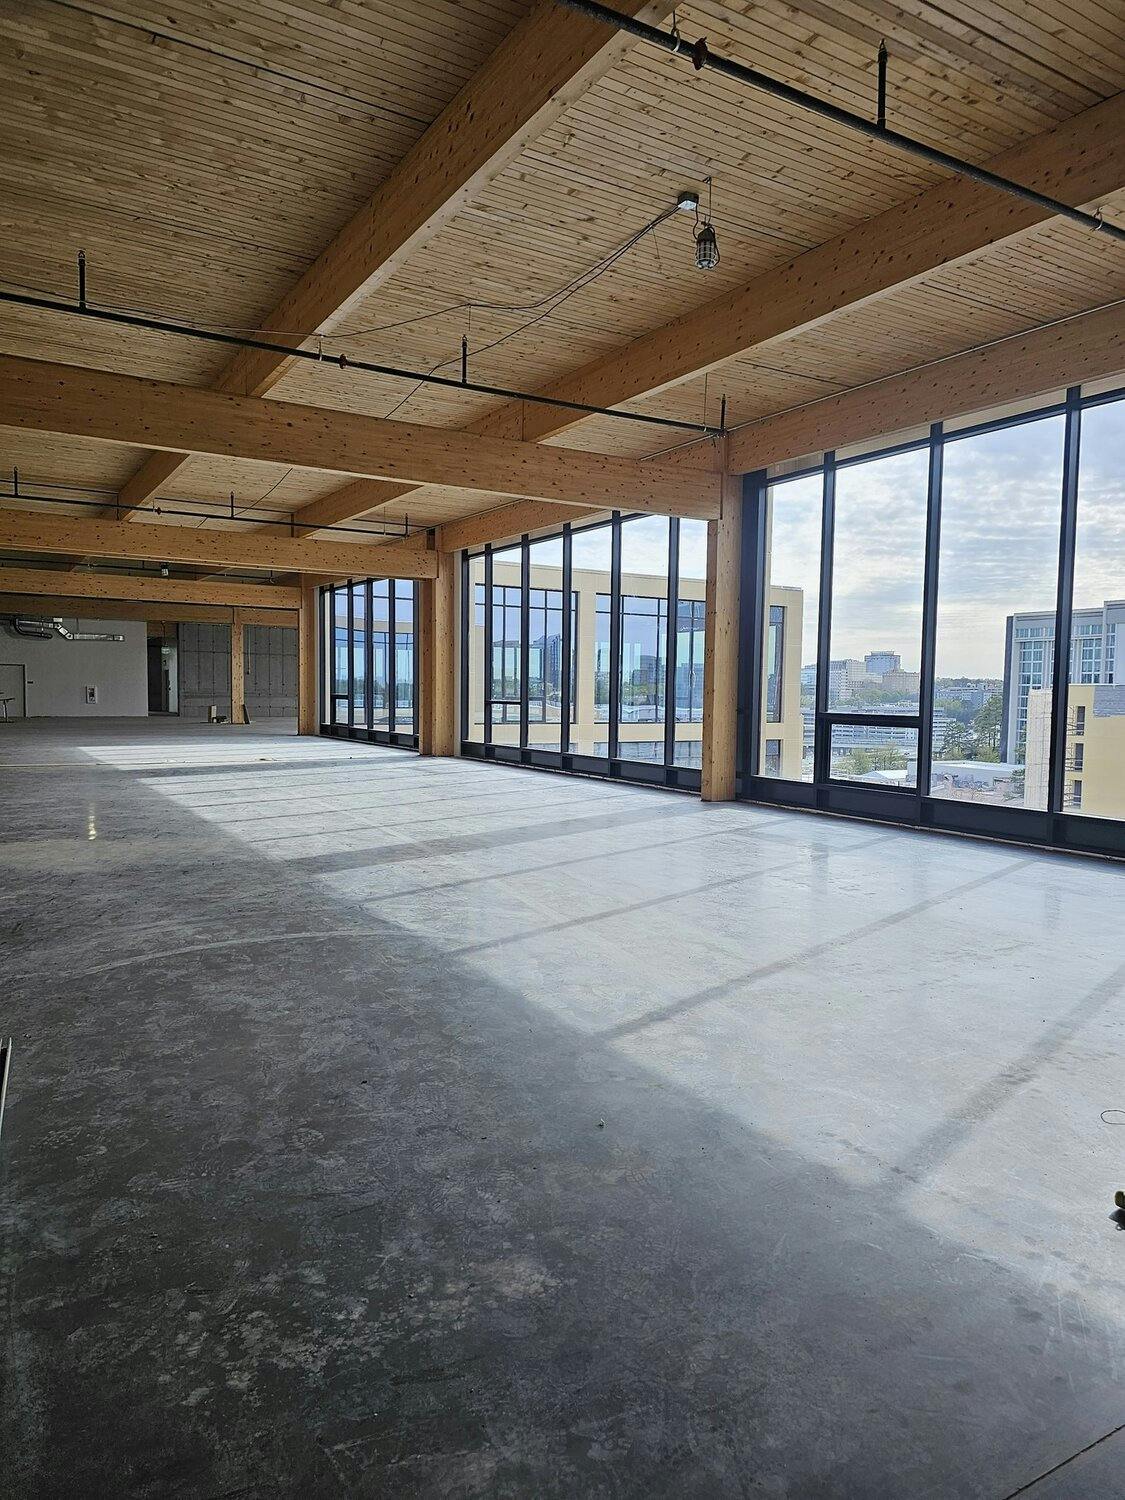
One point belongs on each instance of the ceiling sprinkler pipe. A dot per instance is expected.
(702, 57)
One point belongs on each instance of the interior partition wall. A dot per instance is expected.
(932, 633)
(368, 632)
(583, 651)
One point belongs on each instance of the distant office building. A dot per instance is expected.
(843, 676)
(898, 681)
(879, 663)
(973, 692)
(1029, 661)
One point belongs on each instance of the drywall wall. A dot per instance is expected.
(58, 671)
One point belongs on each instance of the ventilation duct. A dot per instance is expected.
(45, 630)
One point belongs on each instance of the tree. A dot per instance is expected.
(986, 723)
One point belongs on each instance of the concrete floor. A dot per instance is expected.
(425, 1128)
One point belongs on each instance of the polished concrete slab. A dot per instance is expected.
(381, 1126)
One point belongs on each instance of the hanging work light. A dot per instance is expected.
(706, 248)
(706, 245)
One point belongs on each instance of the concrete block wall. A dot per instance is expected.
(204, 669)
(271, 672)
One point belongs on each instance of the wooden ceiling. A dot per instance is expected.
(204, 160)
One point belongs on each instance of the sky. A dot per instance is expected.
(1001, 499)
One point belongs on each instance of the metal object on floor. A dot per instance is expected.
(5, 1064)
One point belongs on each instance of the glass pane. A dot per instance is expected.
(404, 655)
(644, 637)
(793, 599)
(1001, 497)
(476, 650)
(878, 755)
(590, 566)
(545, 640)
(359, 653)
(339, 704)
(1094, 778)
(380, 641)
(504, 674)
(878, 564)
(689, 643)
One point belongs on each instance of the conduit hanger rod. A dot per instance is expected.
(213, 336)
(290, 522)
(701, 57)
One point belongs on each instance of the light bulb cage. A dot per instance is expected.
(706, 247)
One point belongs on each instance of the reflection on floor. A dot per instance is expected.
(386, 1126)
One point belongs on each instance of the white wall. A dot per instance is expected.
(59, 671)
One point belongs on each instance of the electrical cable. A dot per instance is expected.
(207, 515)
(864, 385)
(560, 294)
(701, 57)
(89, 310)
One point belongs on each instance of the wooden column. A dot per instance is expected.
(437, 723)
(237, 668)
(308, 715)
(720, 657)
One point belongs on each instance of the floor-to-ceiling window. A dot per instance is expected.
(610, 683)
(997, 577)
(381, 674)
(689, 556)
(878, 547)
(1093, 771)
(911, 602)
(644, 638)
(370, 688)
(793, 516)
(404, 620)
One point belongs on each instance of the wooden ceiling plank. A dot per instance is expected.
(112, 408)
(1089, 347)
(32, 531)
(1079, 161)
(48, 581)
(504, 523)
(545, 63)
(123, 609)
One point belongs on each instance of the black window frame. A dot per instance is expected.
(613, 766)
(1058, 827)
(336, 710)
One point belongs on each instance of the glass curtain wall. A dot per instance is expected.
(370, 689)
(907, 605)
(1093, 773)
(690, 564)
(587, 685)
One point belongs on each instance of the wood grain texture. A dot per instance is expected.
(718, 779)
(50, 582)
(124, 609)
(308, 677)
(550, 58)
(1089, 347)
(115, 408)
(30, 531)
(437, 724)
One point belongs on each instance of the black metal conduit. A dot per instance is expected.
(701, 57)
(342, 361)
(210, 515)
